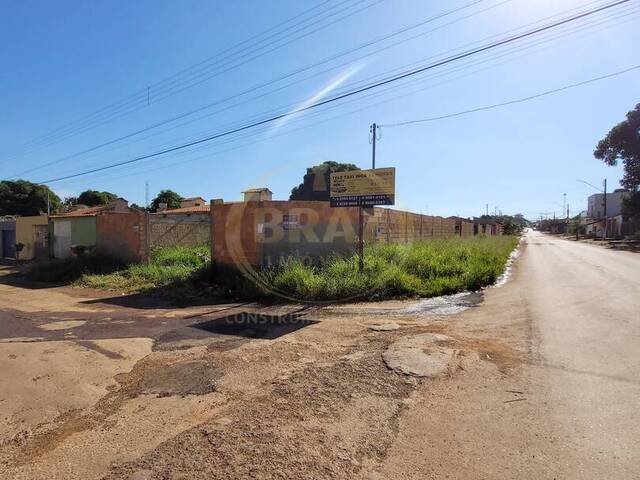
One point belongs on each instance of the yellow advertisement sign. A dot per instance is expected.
(363, 188)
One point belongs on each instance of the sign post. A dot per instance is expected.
(363, 189)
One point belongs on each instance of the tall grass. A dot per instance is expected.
(166, 266)
(424, 269)
(430, 268)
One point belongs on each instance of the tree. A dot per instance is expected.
(631, 206)
(21, 197)
(68, 203)
(316, 182)
(623, 143)
(135, 206)
(171, 198)
(511, 227)
(93, 198)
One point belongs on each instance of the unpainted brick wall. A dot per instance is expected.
(179, 229)
(395, 226)
(237, 239)
(122, 235)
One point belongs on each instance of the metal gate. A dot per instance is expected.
(8, 243)
(62, 239)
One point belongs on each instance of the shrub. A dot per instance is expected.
(72, 268)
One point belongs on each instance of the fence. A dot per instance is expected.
(266, 232)
(190, 230)
(394, 226)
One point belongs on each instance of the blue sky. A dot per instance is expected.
(62, 61)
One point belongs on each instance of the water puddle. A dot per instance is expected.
(444, 305)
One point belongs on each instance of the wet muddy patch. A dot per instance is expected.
(196, 377)
(446, 304)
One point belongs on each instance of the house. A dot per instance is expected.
(193, 202)
(258, 195)
(595, 222)
(487, 226)
(33, 233)
(464, 227)
(114, 228)
(8, 237)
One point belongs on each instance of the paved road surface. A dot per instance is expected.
(584, 301)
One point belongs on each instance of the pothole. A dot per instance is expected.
(185, 378)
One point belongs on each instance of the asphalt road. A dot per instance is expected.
(584, 304)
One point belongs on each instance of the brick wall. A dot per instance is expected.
(266, 232)
(122, 235)
(188, 230)
(395, 226)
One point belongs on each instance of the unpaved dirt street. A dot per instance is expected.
(537, 378)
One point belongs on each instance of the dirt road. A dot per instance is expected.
(538, 381)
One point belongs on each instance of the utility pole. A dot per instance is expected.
(374, 132)
(48, 203)
(564, 202)
(486, 207)
(374, 136)
(146, 194)
(604, 204)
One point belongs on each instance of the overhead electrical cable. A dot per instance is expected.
(110, 116)
(356, 91)
(512, 102)
(270, 82)
(406, 82)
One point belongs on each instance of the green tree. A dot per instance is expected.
(631, 206)
(138, 207)
(68, 203)
(171, 198)
(316, 182)
(511, 227)
(21, 197)
(623, 143)
(93, 198)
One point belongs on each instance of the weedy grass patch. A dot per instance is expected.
(419, 269)
(429, 268)
(167, 266)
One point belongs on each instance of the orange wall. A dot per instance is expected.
(261, 232)
(122, 235)
(254, 233)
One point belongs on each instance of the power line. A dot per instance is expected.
(353, 92)
(186, 114)
(141, 92)
(258, 132)
(512, 102)
(270, 82)
(404, 84)
(119, 113)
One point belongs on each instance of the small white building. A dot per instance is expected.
(595, 208)
(595, 222)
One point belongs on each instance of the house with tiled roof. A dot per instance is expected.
(83, 228)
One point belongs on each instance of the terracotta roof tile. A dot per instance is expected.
(83, 212)
(198, 209)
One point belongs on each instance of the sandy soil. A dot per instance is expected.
(97, 386)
